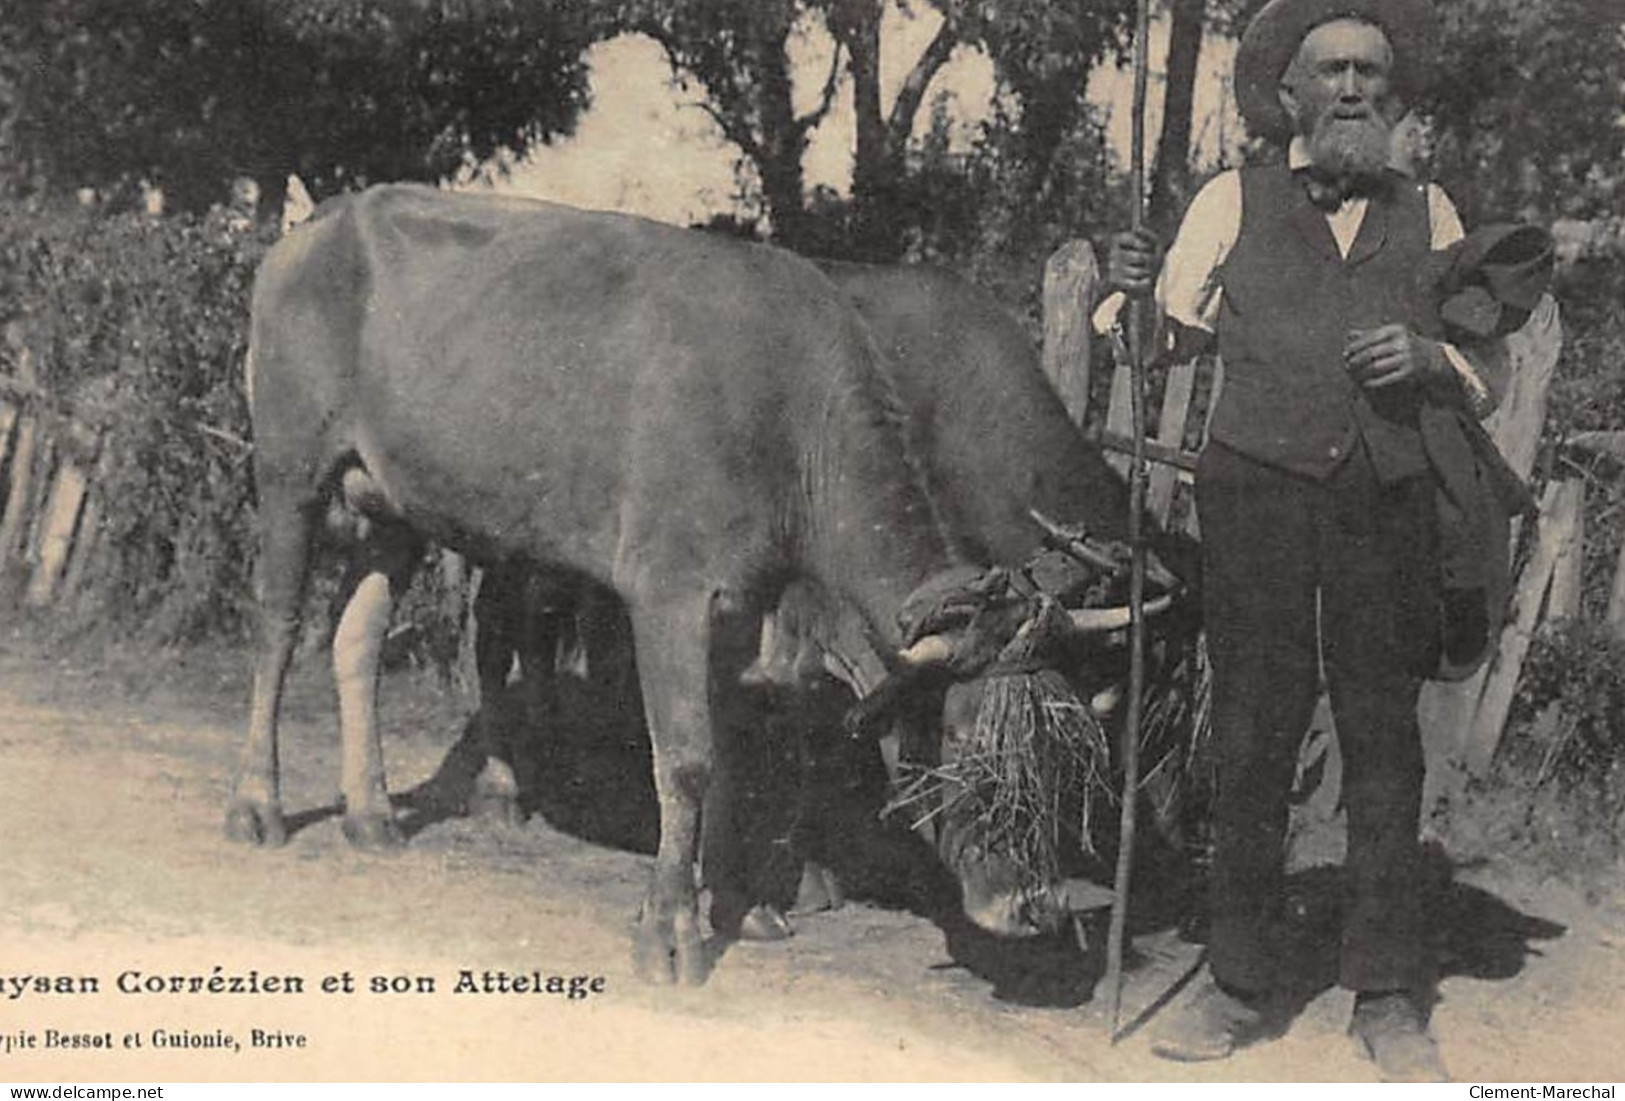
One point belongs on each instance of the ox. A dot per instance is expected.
(996, 444)
(689, 420)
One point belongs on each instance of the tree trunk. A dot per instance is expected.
(876, 166)
(783, 141)
(1170, 179)
(783, 194)
(859, 30)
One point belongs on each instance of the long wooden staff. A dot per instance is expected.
(1137, 480)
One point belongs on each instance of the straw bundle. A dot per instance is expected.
(1034, 749)
(1025, 780)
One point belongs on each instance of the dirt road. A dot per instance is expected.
(113, 869)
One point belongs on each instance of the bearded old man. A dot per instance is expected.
(1319, 504)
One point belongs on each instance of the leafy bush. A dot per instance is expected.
(139, 325)
(1570, 707)
(1588, 394)
(1589, 391)
(1556, 799)
(995, 213)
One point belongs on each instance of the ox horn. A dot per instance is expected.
(930, 650)
(936, 649)
(1095, 620)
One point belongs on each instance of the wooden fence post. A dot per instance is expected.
(1120, 416)
(1564, 600)
(1534, 351)
(59, 520)
(1176, 407)
(1071, 277)
(87, 539)
(1559, 508)
(11, 420)
(8, 421)
(14, 521)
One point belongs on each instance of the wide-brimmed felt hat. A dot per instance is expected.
(1273, 37)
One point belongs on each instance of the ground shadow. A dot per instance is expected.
(582, 760)
(1472, 932)
(1477, 935)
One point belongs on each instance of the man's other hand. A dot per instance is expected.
(1132, 265)
(1392, 354)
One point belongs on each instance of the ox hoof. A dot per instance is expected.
(764, 923)
(256, 824)
(373, 833)
(665, 954)
(496, 811)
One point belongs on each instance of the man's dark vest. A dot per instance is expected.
(1290, 299)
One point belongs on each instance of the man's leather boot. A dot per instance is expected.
(1392, 1031)
(1209, 1025)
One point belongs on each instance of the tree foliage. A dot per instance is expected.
(1529, 107)
(738, 53)
(1525, 106)
(190, 95)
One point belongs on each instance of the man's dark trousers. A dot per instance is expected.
(1271, 541)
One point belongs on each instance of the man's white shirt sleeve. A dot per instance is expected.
(1188, 290)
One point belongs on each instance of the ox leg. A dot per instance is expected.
(673, 662)
(497, 609)
(725, 859)
(388, 558)
(599, 624)
(254, 815)
(748, 855)
(518, 615)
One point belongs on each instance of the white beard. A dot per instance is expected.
(1350, 149)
